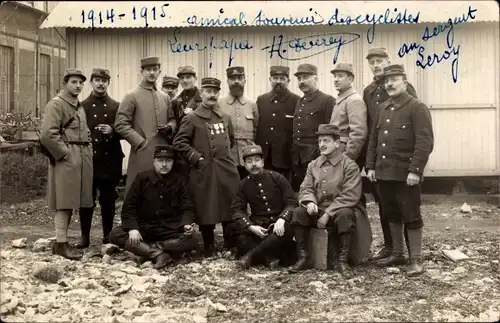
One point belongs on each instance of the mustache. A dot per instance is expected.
(212, 98)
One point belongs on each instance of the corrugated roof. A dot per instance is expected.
(152, 14)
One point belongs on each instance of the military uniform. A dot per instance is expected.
(270, 197)
(244, 117)
(400, 143)
(213, 181)
(108, 158)
(274, 130)
(373, 95)
(187, 99)
(158, 206)
(312, 110)
(170, 85)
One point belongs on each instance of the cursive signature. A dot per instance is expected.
(323, 42)
(452, 51)
(176, 46)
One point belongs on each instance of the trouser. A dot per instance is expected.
(169, 241)
(401, 205)
(62, 219)
(343, 222)
(208, 234)
(268, 164)
(242, 171)
(107, 199)
(281, 247)
(299, 172)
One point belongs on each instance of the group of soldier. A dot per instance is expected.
(200, 159)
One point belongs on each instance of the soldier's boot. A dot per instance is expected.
(397, 256)
(302, 238)
(186, 242)
(333, 251)
(145, 253)
(416, 267)
(386, 231)
(65, 250)
(272, 262)
(407, 241)
(264, 246)
(108, 216)
(85, 226)
(345, 248)
(208, 242)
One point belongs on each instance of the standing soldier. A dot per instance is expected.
(243, 113)
(67, 138)
(100, 111)
(373, 95)
(398, 150)
(204, 140)
(190, 97)
(170, 85)
(144, 119)
(274, 131)
(349, 115)
(313, 109)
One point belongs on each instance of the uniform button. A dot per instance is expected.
(264, 197)
(95, 115)
(404, 126)
(274, 114)
(93, 104)
(269, 210)
(383, 156)
(105, 153)
(161, 196)
(298, 138)
(266, 203)
(298, 130)
(267, 143)
(383, 144)
(300, 110)
(378, 95)
(324, 171)
(95, 152)
(377, 103)
(386, 132)
(239, 122)
(388, 120)
(392, 109)
(105, 106)
(311, 113)
(324, 192)
(418, 168)
(95, 140)
(275, 101)
(298, 124)
(272, 128)
(299, 117)
(105, 115)
(260, 184)
(324, 181)
(262, 191)
(302, 104)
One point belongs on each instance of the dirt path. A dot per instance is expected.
(465, 291)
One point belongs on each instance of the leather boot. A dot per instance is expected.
(162, 261)
(264, 246)
(345, 247)
(85, 226)
(416, 268)
(333, 250)
(302, 238)
(65, 250)
(272, 262)
(143, 251)
(383, 253)
(392, 260)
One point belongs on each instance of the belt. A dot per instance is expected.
(78, 143)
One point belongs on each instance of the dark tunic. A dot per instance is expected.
(274, 131)
(214, 181)
(156, 203)
(186, 99)
(312, 110)
(401, 139)
(270, 197)
(108, 155)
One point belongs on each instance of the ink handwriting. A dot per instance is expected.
(452, 51)
(97, 17)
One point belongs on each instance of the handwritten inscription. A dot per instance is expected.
(452, 51)
(97, 17)
(323, 42)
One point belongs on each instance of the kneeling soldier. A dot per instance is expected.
(158, 210)
(266, 232)
(330, 196)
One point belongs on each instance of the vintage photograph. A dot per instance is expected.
(249, 161)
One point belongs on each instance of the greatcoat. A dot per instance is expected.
(140, 113)
(70, 179)
(244, 116)
(333, 184)
(214, 181)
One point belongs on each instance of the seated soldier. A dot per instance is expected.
(265, 234)
(330, 196)
(157, 210)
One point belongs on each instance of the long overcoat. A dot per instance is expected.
(137, 120)
(213, 183)
(334, 184)
(70, 179)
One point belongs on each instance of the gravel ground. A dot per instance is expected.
(214, 290)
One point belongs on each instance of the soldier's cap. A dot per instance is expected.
(377, 51)
(394, 69)
(251, 150)
(165, 151)
(210, 82)
(170, 81)
(280, 70)
(328, 130)
(100, 72)
(235, 70)
(73, 72)
(150, 61)
(306, 69)
(186, 70)
(343, 67)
